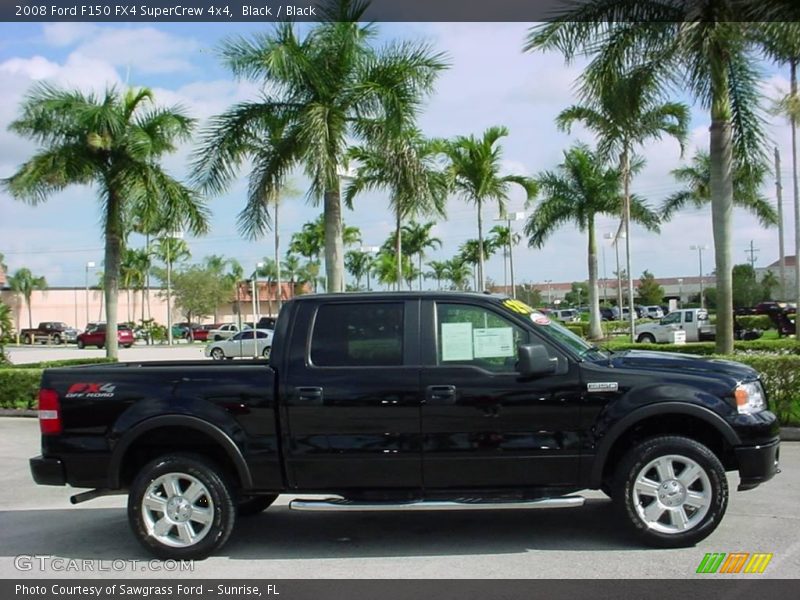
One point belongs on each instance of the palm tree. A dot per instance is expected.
(746, 189)
(418, 239)
(457, 273)
(781, 43)
(291, 267)
(310, 240)
(438, 272)
(404, 164)
(323, 85)
(358, 264)
(132, 271)
(502, 237)
(24, 282)
(113, 142)
(385, 268)
(474, 171)
(624, 113)
(472, 252)
(709, 45)
(581, 188)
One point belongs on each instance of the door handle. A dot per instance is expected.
(440, 393)
(310, 394)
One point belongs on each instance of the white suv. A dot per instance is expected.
(225, 331)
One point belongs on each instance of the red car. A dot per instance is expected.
(96, 336)
(200, 332)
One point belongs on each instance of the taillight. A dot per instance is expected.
(49, 412)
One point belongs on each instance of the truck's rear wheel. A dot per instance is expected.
(671, 491)
(253, 505)
(28, 339)
(646, 338)
(179, 507)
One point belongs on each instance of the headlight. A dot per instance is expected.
(750, 398)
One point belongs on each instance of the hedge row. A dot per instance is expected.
(67, 362)
(778, 347)
(19, 388)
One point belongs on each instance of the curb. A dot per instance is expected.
(788, 434)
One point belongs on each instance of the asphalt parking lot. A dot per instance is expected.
(282, 544)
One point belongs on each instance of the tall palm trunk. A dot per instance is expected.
(626, 182)
(398, 248)
(420, 271)
(479, 282)
(595, 331)
(721, 152)
(278, 258)
(113, 252)
(334, 251)
(30, 314)
(796, 186)
(147, 279)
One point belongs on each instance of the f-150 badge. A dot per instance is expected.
(602, 386)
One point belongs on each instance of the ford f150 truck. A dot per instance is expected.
(408, 401)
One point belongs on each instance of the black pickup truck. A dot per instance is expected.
(408, 401)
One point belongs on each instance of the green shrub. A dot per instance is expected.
(776, 347)
(576, 328)
(20, 387)
(754, 322)
(781, 376)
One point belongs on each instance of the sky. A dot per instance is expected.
(490, 82)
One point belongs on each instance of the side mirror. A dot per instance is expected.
(533, 360)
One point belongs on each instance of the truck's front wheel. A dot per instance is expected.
(179, 507)
(646, 338)
(672, 491)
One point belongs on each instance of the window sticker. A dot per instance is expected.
(497, 342)
(540, 319)
(456, 341)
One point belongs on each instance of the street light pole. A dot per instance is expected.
(508, 218)
(700, 249)
(173, 235)
(369, 250)
(680, 292)
(89, 265)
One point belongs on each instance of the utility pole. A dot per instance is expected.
(752, 252)
(779, 200)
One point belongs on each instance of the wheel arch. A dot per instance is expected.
(671, 418)
(144, 441)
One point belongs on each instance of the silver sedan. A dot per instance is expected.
(242, 345)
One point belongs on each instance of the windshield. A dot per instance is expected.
(554, 330)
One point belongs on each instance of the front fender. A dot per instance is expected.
(614, 431)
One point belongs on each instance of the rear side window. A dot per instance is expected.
(358, 335)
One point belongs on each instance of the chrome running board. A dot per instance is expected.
(342, 504)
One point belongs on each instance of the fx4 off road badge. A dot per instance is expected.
(91, 390)
(602, 386)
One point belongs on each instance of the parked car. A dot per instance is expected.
(625, 313)
(566, 315)
(381, 401)
(200, 332)
(49, 331)
(225, 331)
(96, 336)
(606, 313)
(693, 321)
(653, 312)
(242, 345)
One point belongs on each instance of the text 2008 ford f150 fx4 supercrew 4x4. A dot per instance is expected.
(408, 401)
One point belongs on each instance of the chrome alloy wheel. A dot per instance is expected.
(178, 510)
(672, 494)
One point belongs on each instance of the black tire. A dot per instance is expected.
(28, 340)
(57, 340)
(646, 338)
(127, 345)
(706, 480)
(189, 470)
(218, 354)
(266, 352)
(81, 345)
(249, 506)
